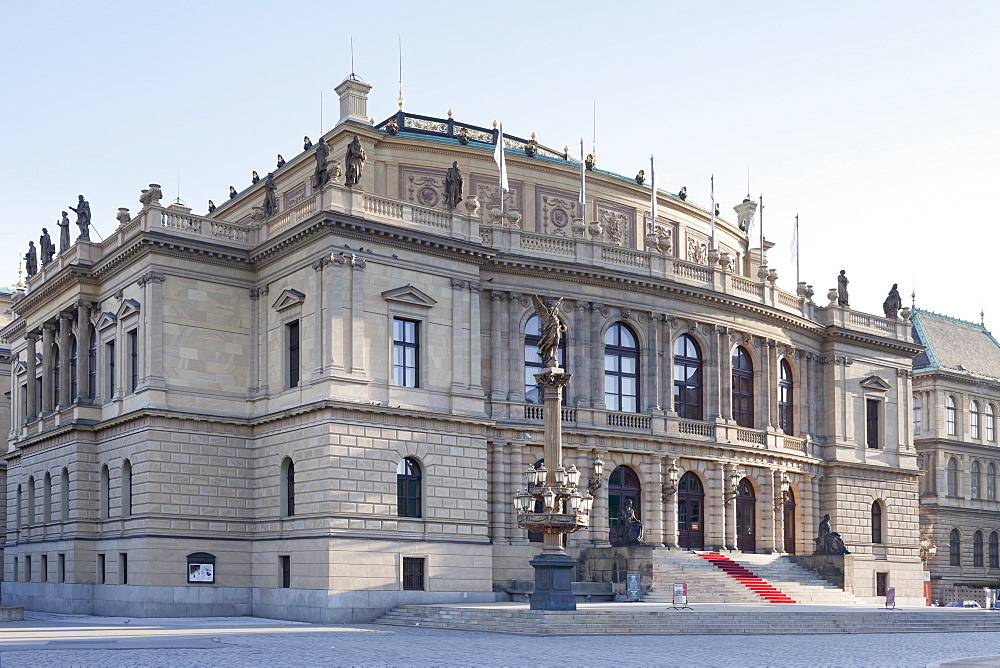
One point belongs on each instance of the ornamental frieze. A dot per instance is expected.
(554, 210)
(618, 221)
(422, 186)
(487, 189)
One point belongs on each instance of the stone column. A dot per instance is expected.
(319, 317)
(514, 351)
(254, 380)
(510, 462)
(668, 365)
(599, 514)
(670, 511)
(151, 375)
(460, 352)
(779, 512)
(358, 317)
(768, 395)
(725, 373)
(715, 510)
(730, 509)
(83, 353)
(65, 391)
(259, 295)
(652, 502)
(596, 357)
(474, 362)
(32, 361)
(337, 318)
(579, 345)
(654, 366)
(499, 499)
(498, 390)
(48, 366)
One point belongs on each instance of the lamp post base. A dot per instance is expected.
(553, 582)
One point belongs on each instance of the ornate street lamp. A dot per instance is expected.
(785, 494)
(673, 474)
(564, 508)
(734, 485)
(596, 482)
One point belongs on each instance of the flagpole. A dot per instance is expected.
(713, 212)
(796, 249)
(762, 229)
(652, 182)
(583, 185)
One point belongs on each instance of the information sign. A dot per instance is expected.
(680, 593)
(633, 587)
(890, 597)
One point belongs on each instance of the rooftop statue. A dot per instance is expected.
(892, 303)
(321, 177)
(254, 180)
(683, 193)
(83, 218)
(281, 161)
(31, 260)
(306, 143)
(355, 162)
(63, 232)
(842, 289)
(640, 178)
(551, 328)
(46, 246)
(828, 541)
(232, 192)
(453, 183)
(211, 206)
(270, 197)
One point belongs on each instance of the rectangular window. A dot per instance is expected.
(45, 568)
(102, 572)
(405, 347)
(109, 369)
(123, 568)
(24, 402)
(16, 563)
(133, 360)
(38, 394)
(27, 569)
(881, 583)
(413, 573)
(292, 336)
(285, 571)
(62, 567)
(871, 422)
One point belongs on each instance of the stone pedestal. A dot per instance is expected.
(553, 582)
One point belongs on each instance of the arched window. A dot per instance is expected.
(687, 378)
(64, 495)
(918, 415)
(995, 550)
(533, 363)
(54, 351)
(991, 482)
(990, 420)
(951, 415)
(92, 357)
(974, 419)
(105, 493)
(623, 488)
(126, 488)
(975, 478)
(977, 549)
(785, 418)
(876, 522)
(743, 388)
(287, 485)
(952, 477)
(408, 488)
(73, 353)
(20, 507)
(47, 498)
(31, 500)
(621, 369)
(955, 548)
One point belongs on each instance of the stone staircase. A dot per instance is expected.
(795, 581)
(747, 578)
(705, 582)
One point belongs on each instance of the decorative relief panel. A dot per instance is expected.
(487, 189)
(554, 210)
(295, 195)
(423, 186)
(666, 234)
(696, 250)
(618, 221)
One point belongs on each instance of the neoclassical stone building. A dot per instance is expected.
(956, 397)
(316, 402)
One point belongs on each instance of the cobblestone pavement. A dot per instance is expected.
(63, 640)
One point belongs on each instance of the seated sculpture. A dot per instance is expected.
(629, 529)
(829, 541)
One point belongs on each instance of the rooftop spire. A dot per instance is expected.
(400, 100)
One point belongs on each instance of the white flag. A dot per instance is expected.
(794, 247)
(501, 163)
(713, 211)
(583, 185)
(652, 186)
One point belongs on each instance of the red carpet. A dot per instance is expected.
(748, 579)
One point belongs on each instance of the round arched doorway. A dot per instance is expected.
(746, 517)
(623, 485)
(690, 512)
(788, 520)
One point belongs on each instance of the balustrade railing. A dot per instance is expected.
(706, 429)
(751, 436)
(628, 420)
(537, 412)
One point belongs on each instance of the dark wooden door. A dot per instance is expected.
(746, 517)
(789, 522)
(622, 485)
(690, 512)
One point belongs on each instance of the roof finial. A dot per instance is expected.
(400, 100)
(913, 296)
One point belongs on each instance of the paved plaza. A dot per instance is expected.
(64, 640)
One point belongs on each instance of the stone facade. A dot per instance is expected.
(956, 389)
(241, 391)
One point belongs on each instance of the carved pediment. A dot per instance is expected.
(287, 299)
(408, 294)
(876, 384)
(128, 307)
(106, 320)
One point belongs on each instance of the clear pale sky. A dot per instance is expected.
(876, 122)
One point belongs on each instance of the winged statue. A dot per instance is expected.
(552, 327)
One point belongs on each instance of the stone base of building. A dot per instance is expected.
(304, 605)
(859, 574)
(612, 564)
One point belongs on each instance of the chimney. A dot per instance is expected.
(353, 94)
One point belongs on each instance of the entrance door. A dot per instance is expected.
(690, 512)
(622, 486)
(789, 522)
(746, 517)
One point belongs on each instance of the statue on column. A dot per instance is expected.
(892, 303)
(82, 211)
(320, 176)
(829, 541)
(47, 248)
(270, 197)
(551, 328)
(355, 162)
(63, 233)
(453, 186)
(31, 260)
(842, 289)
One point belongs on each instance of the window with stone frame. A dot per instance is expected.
(621, 369)
(955, 548)
(951, 416)
(408, 483)
(951, 477)
(876, 522)
(293, 357)
(133, 359)
(991, 482)
(74, 353)
(406, 352)
(995, 550)
(873, 429)
(918, 415)
(989, 422)
(975, 480)
(785, 388)
(974, 419)
(688, 402)
(92, 366)
(977, 549)
(287, 487)
(743, 388)
(413, 573)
